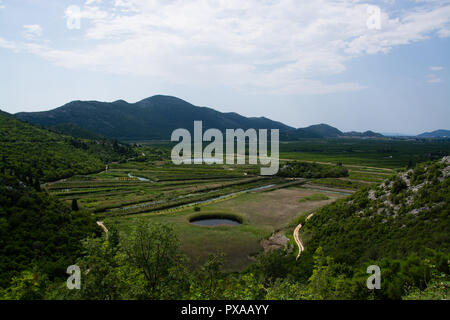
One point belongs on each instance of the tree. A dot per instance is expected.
(208, 278)
(100, 272)
(37, 185)
(75, 205)
(154, 249)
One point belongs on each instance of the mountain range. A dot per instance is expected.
(156, 117)
(435, 134)
(153, 118)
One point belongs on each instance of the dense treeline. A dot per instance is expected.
(394, 224)
(402, 226)
(27, 151)
(148, 264)
(312, 170)
(39, 235)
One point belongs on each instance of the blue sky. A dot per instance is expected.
(299, 62)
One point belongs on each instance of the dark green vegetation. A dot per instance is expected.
(152, 251)
(31, 153)
(381, 153)
(312, 170)
(156, 117)
(324, 131)
(393, 225)
(135, 187)
(38, 235)
(152, 118)
(261, 213)
(70, 129)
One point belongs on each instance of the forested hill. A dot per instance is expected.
(156, 117)
(152, 118)
(32, 153)
(40, 237)
(392, 225)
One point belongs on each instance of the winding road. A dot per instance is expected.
(299, 243)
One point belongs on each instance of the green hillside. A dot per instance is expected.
(38, 235)
(395, 225)
(152, 118)
(155, 118)
(73, 130)
(28, 152)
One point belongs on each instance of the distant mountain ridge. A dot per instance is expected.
(152, 118)
(326, 131)
(156, 117)
(435, 134)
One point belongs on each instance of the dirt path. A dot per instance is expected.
(299, 243)
(100, 223)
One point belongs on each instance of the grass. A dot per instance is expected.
(171, 194)
(376, 153)
(314, 197)
(261, 214)
(339, 183)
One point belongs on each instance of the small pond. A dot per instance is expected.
(213, 222)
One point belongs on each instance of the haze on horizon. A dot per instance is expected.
(298, 62)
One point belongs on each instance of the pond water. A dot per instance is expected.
(215, 222)
(139, 178)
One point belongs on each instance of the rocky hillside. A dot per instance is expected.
(406, 214)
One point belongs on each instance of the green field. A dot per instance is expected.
(128, 193)
(260, 212)
(380, 153)
(154, 189)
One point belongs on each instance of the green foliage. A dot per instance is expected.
(208, 279)
(75, 205)
(312, 170)
(398, 185)
(153, 118)
(383, 153)
(390, 227)
(37, 232)
(33, 153)
(25, 286)
(154, 249)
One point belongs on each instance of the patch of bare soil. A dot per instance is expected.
(277, 241)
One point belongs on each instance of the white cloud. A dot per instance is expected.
(88, 2)
(7, 44)
(283, 46)
(436, 68)
(32, 31)
(434, 80)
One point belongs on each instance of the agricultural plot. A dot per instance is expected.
(135, 187)
(261, 213)
(126, 193)
(375, 153)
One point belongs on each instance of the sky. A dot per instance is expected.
(356, 65)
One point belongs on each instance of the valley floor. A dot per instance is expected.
(126, 193)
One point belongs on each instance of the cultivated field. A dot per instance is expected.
(126, 193)
(262, 214)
